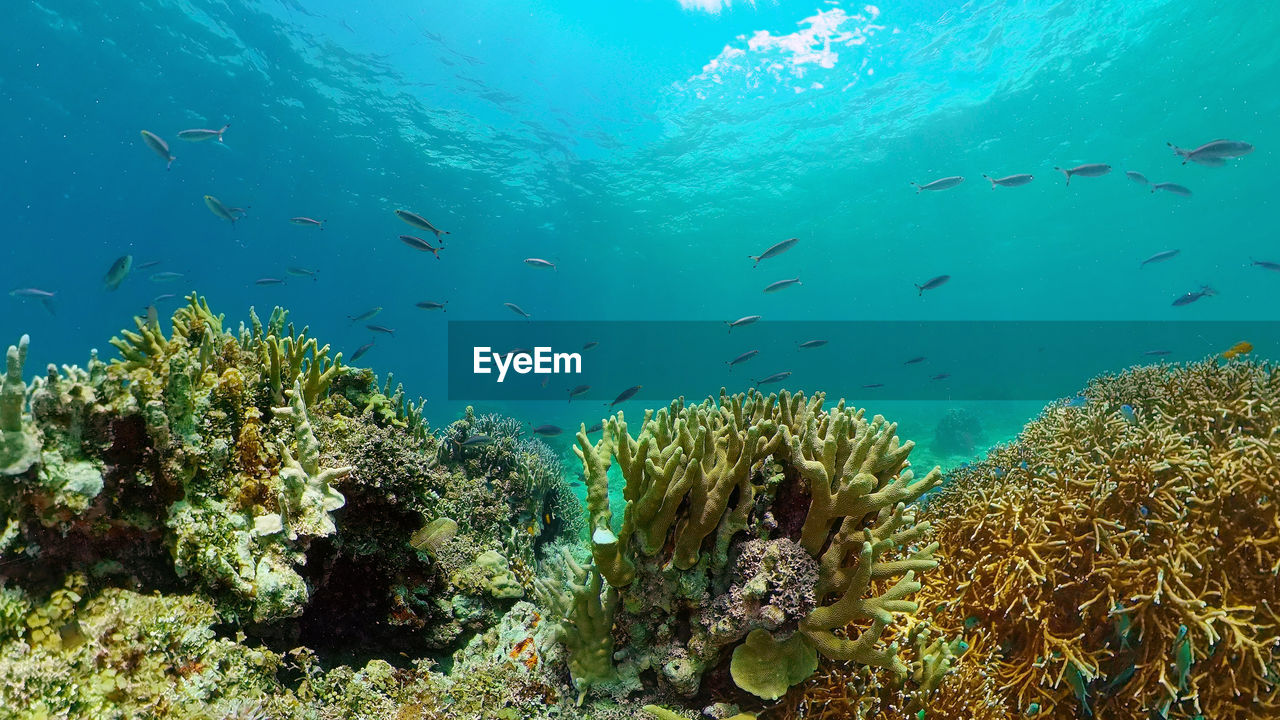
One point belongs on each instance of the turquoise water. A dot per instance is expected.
(646, 148)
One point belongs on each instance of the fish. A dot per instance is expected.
(1264, 264)
(590, 345)
(166, 276)
(626, 395)
(44, 296)
(539, 263)
(429, 305)
(595, 428)
(1174, 188)
(1157, 353)
(474, 441)
(782, 284)
(1129, 415)
(1089, 170)
(118, 271)
(1190, 297)
(812, 344)
(1160, 257)
(419, 222)
(1010, 180)
(226, 213)
(302, 272)
(161, 298)
(153, 316)
(941, 376)
(1216, 152)
(1182, 657)
(1137, 177)
(775, 250)
(914, 360)
(932, 283)
(381, 329)
(745, 320)
(1240, 348)
(940, 184)
(309, 222)
(743, 357)
(268, 281)
(518, 310)
(547, 430)
(774, 378)
(148, 264)
(360, 351)
(420, 244)
(577, 390)
(160, 147)
(365, 315)
(200, 135)
(872, 386)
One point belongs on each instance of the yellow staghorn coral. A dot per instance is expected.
(1120, 559)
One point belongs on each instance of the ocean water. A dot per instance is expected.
(646, 148)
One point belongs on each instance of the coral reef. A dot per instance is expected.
(958, 432)
(1120, 559)
(758, 532)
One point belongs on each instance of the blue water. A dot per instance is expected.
(646, 148)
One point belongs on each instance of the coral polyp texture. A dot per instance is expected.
(1121, 558)
(757, 534)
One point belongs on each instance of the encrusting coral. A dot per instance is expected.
(1120, 558)
(716, 496)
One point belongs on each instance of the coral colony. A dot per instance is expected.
(226, 524)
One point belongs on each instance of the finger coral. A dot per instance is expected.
(764, 519)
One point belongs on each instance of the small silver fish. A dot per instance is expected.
(539, 263)
(381, 329)
(365, 315)
(626, 395)
(1188, 298)
(306, 221)
(872, 386)
(589, 345)
(268, 281)
(782, 284)
(746, 320)
(1089, 170)
(774, 378)
(941, 376)
(1214, 153)
(160, 147)
(360, 351)
(1160, 257)
(418, 243)
(1157, 353)
(595, 428)
(200, 135)
(775, 250)
(743, 357)
(166, 276)
(812, 344)
(934, 282)
(1010, 180)
(43, 296)
(914, 361)
(578, 390)
(161, 298)
(1174, 188)
(939, 184)
(302, 272)
(474, 441)
(518, 310)
(1264, 264)
(118, 271)
(1137, 177)
(428, 305)
(547, 430)
(419, 222)
(229, 214)
(148, 264)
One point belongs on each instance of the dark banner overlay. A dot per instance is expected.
(860, 360)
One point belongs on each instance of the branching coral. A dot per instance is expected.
(19, 444)
(700, 480)
(1120, 558)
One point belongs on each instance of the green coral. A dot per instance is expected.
(308, 497)
(701, 479)
(767, 668)
(19, 444)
